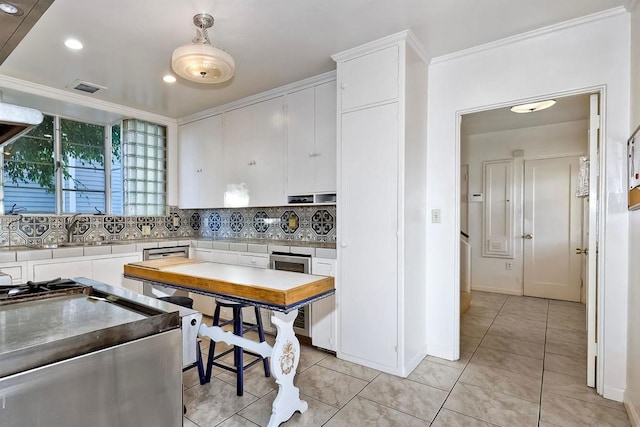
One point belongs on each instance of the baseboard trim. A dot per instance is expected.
(496, 290)
(632, 410)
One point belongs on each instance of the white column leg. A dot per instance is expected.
(284, 362)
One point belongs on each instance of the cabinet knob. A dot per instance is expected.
(252, 162)
(343, 245)
(343, 86)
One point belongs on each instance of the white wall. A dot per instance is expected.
(569, 138)
(572, 57)
(632, 394)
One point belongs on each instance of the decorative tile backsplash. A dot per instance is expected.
(300, 223)
(305, 223)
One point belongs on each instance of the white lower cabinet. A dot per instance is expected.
(17, 271)
(65, 268)
(110, 271)
(102, 268)
(324, 324)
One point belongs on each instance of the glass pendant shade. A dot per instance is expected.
(203, 63)
(199, 61)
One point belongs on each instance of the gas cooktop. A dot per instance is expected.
(36, 290)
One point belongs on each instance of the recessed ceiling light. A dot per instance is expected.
(169, 78)
(534, 106)
(10, 9)
(73, 44)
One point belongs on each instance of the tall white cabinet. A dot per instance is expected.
(382, 99)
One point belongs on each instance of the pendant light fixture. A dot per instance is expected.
(199, 61)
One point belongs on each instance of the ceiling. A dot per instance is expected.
(128, 44)
(566, 109)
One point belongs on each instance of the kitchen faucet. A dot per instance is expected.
(9, 227)
(71, 223)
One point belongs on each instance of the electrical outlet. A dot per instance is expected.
(176, 221)
(507, 265)
(146, 230)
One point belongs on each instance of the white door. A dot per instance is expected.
(552, 229)
(368, 252)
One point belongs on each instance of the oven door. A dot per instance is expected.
(298, 264)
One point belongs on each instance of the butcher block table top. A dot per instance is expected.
(276, 289)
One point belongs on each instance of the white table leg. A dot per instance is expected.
(284, 362)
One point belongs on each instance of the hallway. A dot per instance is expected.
(527, 360)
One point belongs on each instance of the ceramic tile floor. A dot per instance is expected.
(523, 363)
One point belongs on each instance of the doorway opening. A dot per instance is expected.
(529, 206)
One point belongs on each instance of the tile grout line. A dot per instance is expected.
(466, 365)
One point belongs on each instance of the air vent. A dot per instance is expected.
(86, 86)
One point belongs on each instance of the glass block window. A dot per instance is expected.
(116, 171)
(143, 167)
(83, 171)
(28, 171)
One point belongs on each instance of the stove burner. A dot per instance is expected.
(39, 288)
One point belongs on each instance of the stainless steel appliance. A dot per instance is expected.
(190, 319)
(72, 353)
(158, 253)
(300, 264)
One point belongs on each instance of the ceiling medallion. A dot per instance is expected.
(199, 61)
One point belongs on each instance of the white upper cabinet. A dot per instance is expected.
(200, 161)
(253, 155)
(311, 140)
(370, 78)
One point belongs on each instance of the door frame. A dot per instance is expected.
(601, 212)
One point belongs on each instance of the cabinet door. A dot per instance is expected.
(65, 269)
(323, 312)
(253, 153)
(370, 78)
(110, 271)
(301, 151)
(325, 138)
(368, 252)
(199, 150)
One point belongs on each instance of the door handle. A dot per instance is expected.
(528, 236)
(582, 251)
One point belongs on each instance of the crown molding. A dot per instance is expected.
(263, 96)
(72, 98)
(532, 34)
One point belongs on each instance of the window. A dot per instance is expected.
(64, 166)
(83, 167)
(143, 167)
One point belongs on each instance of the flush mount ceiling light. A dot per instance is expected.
(534, 106)
(199, 61)
(10, 9)
(73, 44)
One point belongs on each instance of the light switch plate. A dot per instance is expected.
(436, 216)
(146, 230)
(176, 221)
